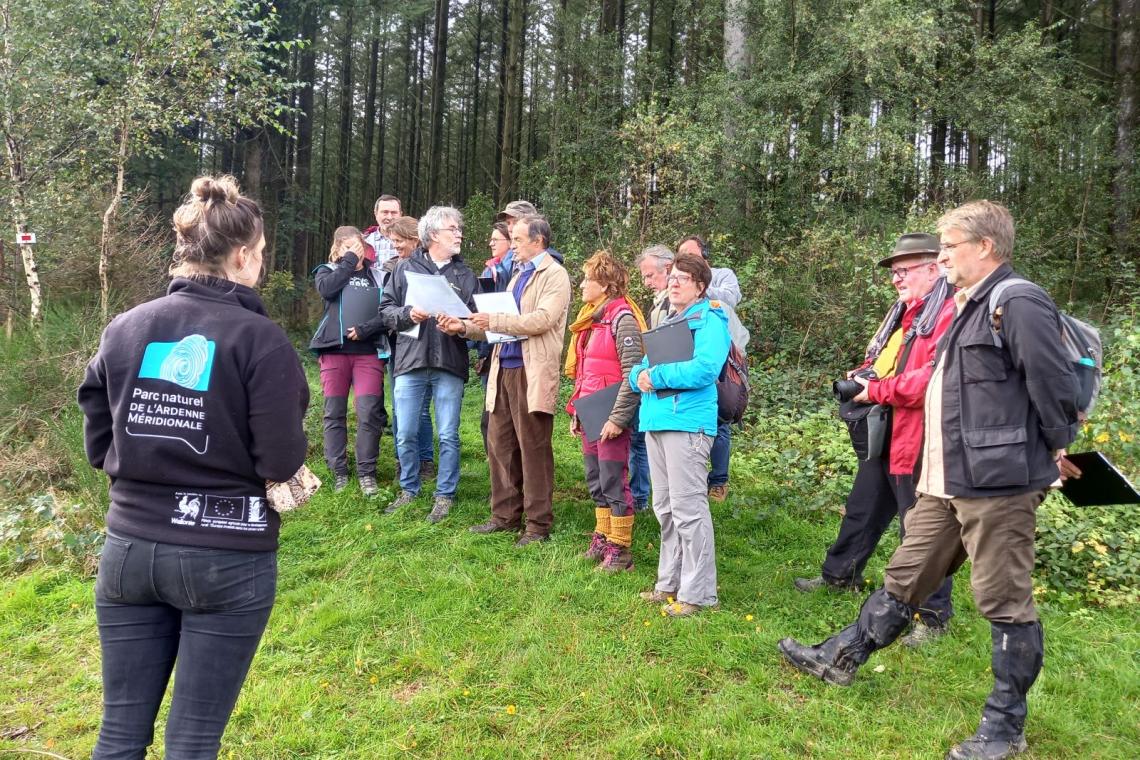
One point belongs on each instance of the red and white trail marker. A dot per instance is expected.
(25, 238)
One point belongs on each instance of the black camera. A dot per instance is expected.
(845, 390)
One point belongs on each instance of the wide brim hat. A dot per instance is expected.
(517, 210)
(912, 244)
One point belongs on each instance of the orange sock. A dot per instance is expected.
(602, 520)
(621, 530)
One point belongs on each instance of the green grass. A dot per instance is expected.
(394, 638)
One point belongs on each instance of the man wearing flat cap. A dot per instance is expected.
(895, 373)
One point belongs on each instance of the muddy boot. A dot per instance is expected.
(1018, 651)
(881, 619)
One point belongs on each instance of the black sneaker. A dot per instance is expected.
(981, 747)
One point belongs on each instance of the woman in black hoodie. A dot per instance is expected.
(352, 346)
(192, 403)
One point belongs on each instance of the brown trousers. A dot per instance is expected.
(521, 456)
(997, 536)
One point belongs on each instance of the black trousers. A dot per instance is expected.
(876, 497)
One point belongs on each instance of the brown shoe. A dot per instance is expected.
(494, 526)
(658, 597)
(718, 493)
(616, 559)
(427, 469)
(681, 609)
(529, 538)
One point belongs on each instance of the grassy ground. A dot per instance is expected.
(392, 637)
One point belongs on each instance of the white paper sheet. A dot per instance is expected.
(434, 294)
(498, 303)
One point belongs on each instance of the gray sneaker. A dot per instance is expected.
(404, 499)
(923, 634)
(368, 485)
(340, 483)
(439, 508)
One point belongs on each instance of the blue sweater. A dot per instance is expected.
(693, 410)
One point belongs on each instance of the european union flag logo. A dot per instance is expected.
(187, 363)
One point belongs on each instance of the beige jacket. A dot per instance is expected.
(545, 302)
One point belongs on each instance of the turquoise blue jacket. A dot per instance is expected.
(693, 410)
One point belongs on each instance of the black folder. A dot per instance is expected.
(666, 344)
(1100, 483)
(359, 305)
(594, 409)
(486, 284)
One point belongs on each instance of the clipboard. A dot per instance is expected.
(1100, 484)
(666, 344)
(594, 409)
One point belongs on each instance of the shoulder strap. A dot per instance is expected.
(996, 305)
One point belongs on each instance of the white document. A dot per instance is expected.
(498, 303)
(434, 294)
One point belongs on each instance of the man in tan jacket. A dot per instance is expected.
(522, 390)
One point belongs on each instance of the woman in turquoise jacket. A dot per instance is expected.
(680, 429)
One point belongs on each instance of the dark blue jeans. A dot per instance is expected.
(721, 453)
(165, 606)
(639, 470)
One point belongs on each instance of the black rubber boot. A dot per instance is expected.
(336, 434)
(881, 619)
(368, 431)
(1018, 651)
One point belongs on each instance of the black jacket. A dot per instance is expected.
(193, 401)
(1004, 410)
(331, 280)
(432, 348)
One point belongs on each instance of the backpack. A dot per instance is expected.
(1080, 344)
(732, 387)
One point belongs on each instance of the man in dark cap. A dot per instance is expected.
(895, 373)
(1000, 410)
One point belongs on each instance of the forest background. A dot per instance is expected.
(800, 137)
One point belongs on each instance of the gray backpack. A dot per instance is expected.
(1080, 343)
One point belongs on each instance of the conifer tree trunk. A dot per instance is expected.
(367, 191)
(1127, 82)
(344, 138)
(303, 152)
(438, 81)
(512, 101)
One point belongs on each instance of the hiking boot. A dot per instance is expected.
(980, 747)
(654, 596)
(404, 499)
(340, 483)
(923, 634)
(808, 585)
(881, 619)
(596, 552)
(439, 508)
(494, 526)
(368, 485)
(427, 469)
(682, 609)
(615, 559)
(718, 493)
(530, 538)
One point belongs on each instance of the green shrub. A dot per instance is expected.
(50, 528)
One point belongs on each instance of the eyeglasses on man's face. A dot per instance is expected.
(454, 230)
(944, 247)
(900, 273)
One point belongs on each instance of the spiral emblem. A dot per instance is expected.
(186, 362)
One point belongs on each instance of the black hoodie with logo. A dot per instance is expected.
(193, 401)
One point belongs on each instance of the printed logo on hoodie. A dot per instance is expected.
(158, 411)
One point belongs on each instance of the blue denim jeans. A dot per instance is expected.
(446, 392)
(721, 452)
(165, 606)
(639, 470)
(427, 435)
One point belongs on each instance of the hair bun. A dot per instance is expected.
(215, 189)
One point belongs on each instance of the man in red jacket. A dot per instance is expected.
(900, 355)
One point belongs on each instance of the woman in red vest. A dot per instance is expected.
(606, 344)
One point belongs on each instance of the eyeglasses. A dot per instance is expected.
(900, 273)
(944, 247)
(679, 279)
(456, 230)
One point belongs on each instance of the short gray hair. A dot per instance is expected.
(536, 226)
(435, 219)
(661, 253)
(983, 220)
